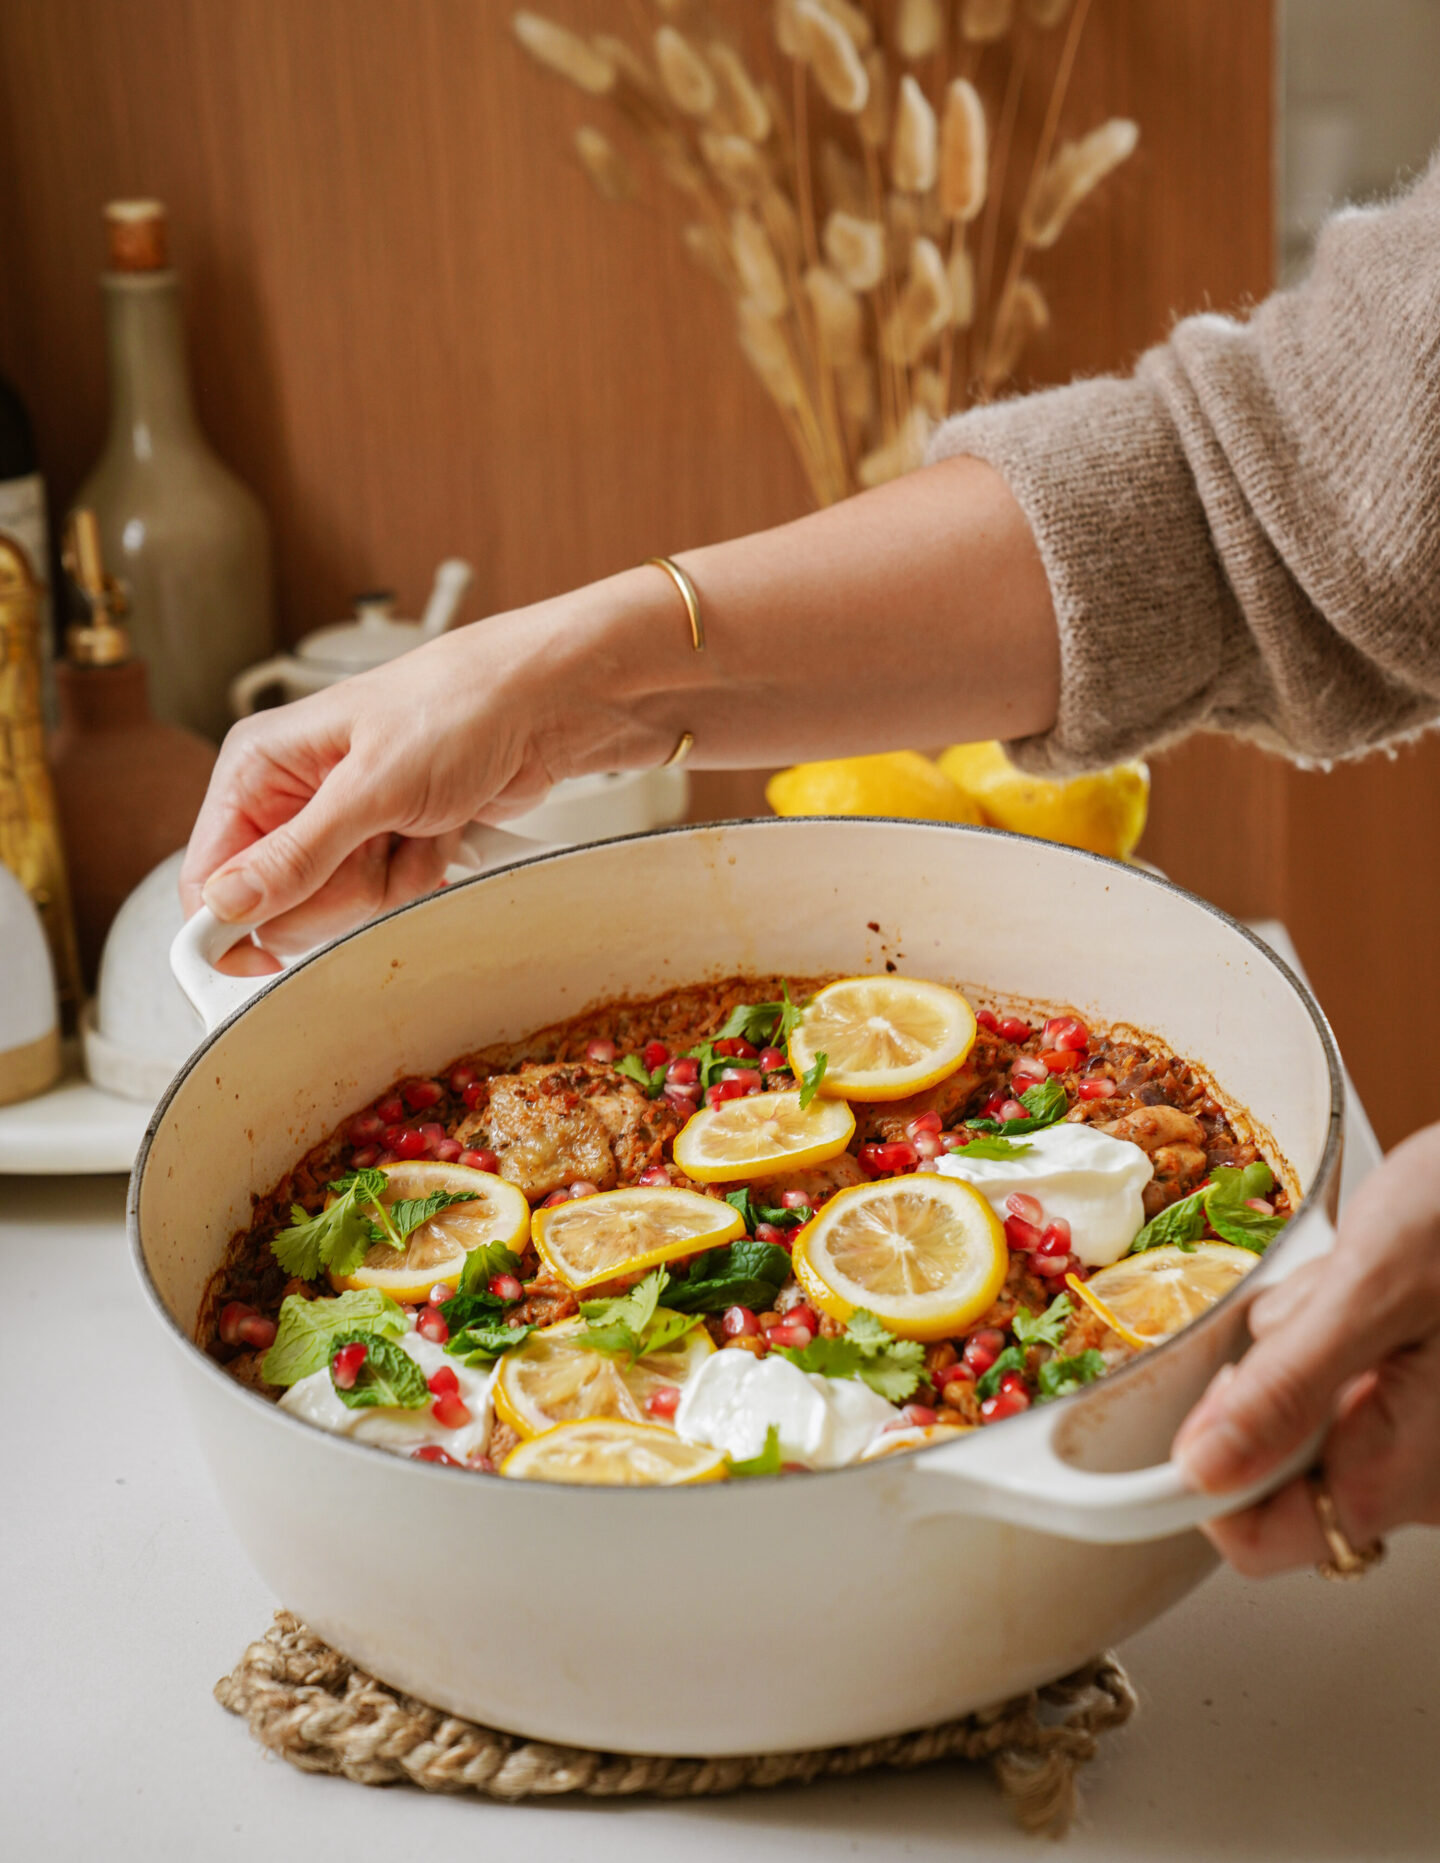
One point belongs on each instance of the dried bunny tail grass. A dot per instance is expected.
(603, 162)
(688, 80)
(919, 28)
(960, 270)
(563, 52)
(897, 456)
(769, 356)
(842, 180)
(854, 19)
(675, 163)
(834, 62)
(913, 144)
(789, 35)
(839, 318)
(857, 394)
(778, 217)
(1076, 170)
(856, 249)
(736, 164)
(707, 248)
(928, 390)
(742, 97)
(1046, 13)
(1023, 314)
(873, 122)
(983, 21)
(761, 280)
(964, 167)
(923, 313)
(630, 67)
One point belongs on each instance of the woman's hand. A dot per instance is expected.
(1354, 1339)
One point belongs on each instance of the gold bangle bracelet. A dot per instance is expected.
(688, 594)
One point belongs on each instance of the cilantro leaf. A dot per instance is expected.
(712, 1065)
(622, 1324)
(389, 1378)
(485, 1339)
(1058, 1377)
(1179, 1226)
(752, 1213)
(651, 1079)
(667, 1329)
(766, 1463)
(1047, 1328)
(743, 1274)
(481, 1267)
(307, 1327)
(1045, 1104)
(1011, 1359)
(867, 1350)
(339, 1237)
(810, 1080)
(764, 1024)
(832, 1358)
(988, 1145)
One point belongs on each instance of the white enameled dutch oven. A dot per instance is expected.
(645, 1619)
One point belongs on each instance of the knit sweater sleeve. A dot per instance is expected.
(1245, 535)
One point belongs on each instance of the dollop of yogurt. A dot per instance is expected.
(734, 1398)
(316, 1400)
(1092, 1180)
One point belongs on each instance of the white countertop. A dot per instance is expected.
(1293, 1720)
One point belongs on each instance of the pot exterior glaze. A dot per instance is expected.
(955, 1570)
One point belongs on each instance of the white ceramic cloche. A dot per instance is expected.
(29, 1035)
(139, 1028)
(370, 638)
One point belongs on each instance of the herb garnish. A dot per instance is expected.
(305, 1340)
(652, 1080)
(634, 1323)
(479, 1330)
(810, 1080)
(742, 1274)
(340, 1236)
(388, 1379)
(867, 1350)
(752, 1213)
(1045, 1103)
(1058, 1377)
(1221, 1203)
(764, 1024)
(1011, 1359)
(1047, 1328)
(766, 1463)
(988, 1145)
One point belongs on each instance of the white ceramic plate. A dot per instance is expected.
(74, 1130)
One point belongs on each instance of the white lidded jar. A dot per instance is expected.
(187, 540)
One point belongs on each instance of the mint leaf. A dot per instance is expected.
(481, 1267)
(810, 1080)
(986, 1145)
(1011, 1359)
(1058, 1377)
(483, 1340)
(651, 1079)
(752, 1213)
(307, 1328)
(410, 1212)
(766, 1463)
(1045, 1104)
(389, 1379)
(867, 1350)
(743, 1274)
(1180, 1226)
(1047, 1328)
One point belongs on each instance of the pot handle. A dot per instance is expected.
(1019, 1474)
(199, 945)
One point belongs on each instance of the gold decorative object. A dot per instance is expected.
(853, 202)
(29, 825)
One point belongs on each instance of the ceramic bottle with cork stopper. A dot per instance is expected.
(128, 785)
(187, 539)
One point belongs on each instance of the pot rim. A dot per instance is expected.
(1313, 1199)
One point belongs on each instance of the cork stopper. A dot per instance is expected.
(98, 640)
(137, 236)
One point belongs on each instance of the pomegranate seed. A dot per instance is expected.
(1060, 1060)
(1020, 1234)
(601, 1052)
(431, 1325)
(255, 1330)
(664, 1400)
(504, 1287)
(1014, 1029)
(656, 1178)
(1028, 1209)
(444, 1382)
(480, 1161)
(1100, 1088)
(771, 1232)
(684, 1100)
(391, 1110)
(582, 1187)
(982, 1349)
(796, 1200)
(366, 1128)
(440, 1293)
(1080, 1269)
(988, 1020)
(958, 1373)
(1012, 1381)
(724, 1090)
(1004, 1404)
(952, 1141)
(654, 1054)
(345, 1366)
(447, 1151)
(737, 1045)
(432, 1132)
(1028, 1071)
(1056, 1238)
(803, 1314)
(432, 1452)
(739, 1323)
(473, 1094)
(786, 1334)
(991, 1108)
(418, 1094)
(899, 1155)
(231, 1314)
(683, 1073)
(477, 1458)
(1066, 1032)
(774, 1061)
(408, 1143)
(1014, 1109)
(1051, 1266)
(363, 1157)
(556, 1196)
(461, 1078)
(451, 1411)
(742, 1074)
(388, 1157)
(928, 1145)
(918, 1416)
(1260, 1206)
(923, 1122)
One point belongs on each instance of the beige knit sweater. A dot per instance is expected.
(1245, 535)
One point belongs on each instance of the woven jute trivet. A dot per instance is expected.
(313, 1707)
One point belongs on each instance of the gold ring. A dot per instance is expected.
(688, 594)
(1346, 1560)
(684, 744)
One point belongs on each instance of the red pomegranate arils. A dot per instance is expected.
(345, 1366)
(602, 1053)
(1100, 1087)
(1029, 1209)
(450, 1411)
(432, 1452)
(504, 1287)
(988, 1020)
(739, 1323)
(1014, 1029)
(654, 1054)
(444, 1382)
(431, 1325)
(391, 1110)
(474, 1093)
(1004, 1404)
(418, 1094)
(480, 1161)
(257, 1331)
(228, 1326)
(663, 1401)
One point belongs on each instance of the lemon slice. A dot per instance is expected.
(919, 1436)
(620, 1232)
(762, 1135)
(925, 1254)
(436, 1251)
(883, 1037)
(606, 1453)
(1148, 1297)
(554, 1379)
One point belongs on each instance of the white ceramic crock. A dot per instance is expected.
(909, 1589)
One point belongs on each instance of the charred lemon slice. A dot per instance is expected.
(925, 1254)
(1149, 1297)
(607, 1453)
(555, 1378)
(882, 1037)
(617, 1233)
(762, 1135)
(436, 1250)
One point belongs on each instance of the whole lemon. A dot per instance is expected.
(900, 782)
(1104, 812)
